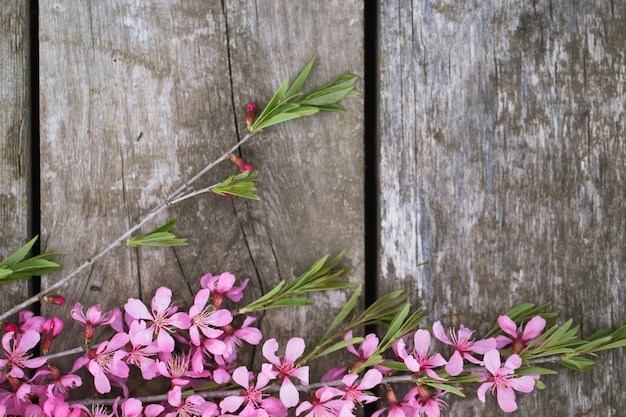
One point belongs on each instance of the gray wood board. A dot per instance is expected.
(15, 138)
(137, 97)
(502, 168)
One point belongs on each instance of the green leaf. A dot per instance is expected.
(19, 254)
(292, 302)
(395, 325)
(301, 78)
(346, 309)
(535, 370)
(447, 388)
(159, 237)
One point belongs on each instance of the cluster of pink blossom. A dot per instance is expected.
(199, 348)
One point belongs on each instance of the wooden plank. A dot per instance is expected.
(15, 137)
(137, 97)
(502, 167)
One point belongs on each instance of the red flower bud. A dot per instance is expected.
(54, 299)
(241, 163)
(250, 114)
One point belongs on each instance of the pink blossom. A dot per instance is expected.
(194, 405)
(252, 397)
(366, 349)
(397, 408)
(286, 368)
(354, 393)
(463, 345)
(234, 337)
(17, 356)
(54, 381)
(163, 317)
(106, 362)
(133, 407)
(426, 403)
(420, 360)
(223, 285)
(142, 350)
(51, 329)
(27, 320)
(205, 319)
(327, 403)
(95, 318)
(503, 380)
(519, 338)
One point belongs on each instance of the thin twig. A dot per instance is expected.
(165, 203)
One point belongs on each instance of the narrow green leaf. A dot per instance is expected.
(4, 272)
(535, 370)
(278, 95)
(395, 325)
(447, 388)
(346, 309)
(300, 79)
(19, 254)
(292, 302)
(279, 118)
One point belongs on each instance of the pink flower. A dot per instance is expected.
(163, 317)
(17, 356)
(54, 381)
(205, 320)
(142, 350)
(223, 285)
(286, 368)
(327, 403)
(426, 403)
(133, 407)
(194, 405)
(519, 339)
(106, 363)
(95, 318)
(234, 337)
(420, 360)
(51, 329)
(354, 393)
(253, 396)
(397, 408)
(503, 381)
(463, 347)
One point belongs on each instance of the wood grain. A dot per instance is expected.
(15, 140)
(502, 167)
(137, 97)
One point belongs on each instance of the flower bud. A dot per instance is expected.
(241, 163)
(56, 299)
(250, 114)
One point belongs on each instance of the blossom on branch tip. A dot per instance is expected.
(55, 299)
(242, 164)
(251, 112)
(95, 318)
(503, 380)
(223, 285)
(519, 338)
(463, 345)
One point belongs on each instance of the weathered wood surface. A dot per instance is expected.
(136, 97)
(501, 157)
(15, 138)
(502, 167)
